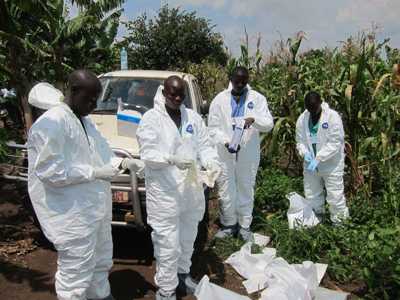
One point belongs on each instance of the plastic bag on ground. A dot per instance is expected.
(45, 96)
(300, 212)
(284, 282)
(261, 240)
(207, 291)
(324, 294)
(248, 264)
(309, 272)
(255, 283)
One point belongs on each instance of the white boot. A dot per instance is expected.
(245, 234)
(226, 232)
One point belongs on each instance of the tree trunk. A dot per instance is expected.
(27, 112)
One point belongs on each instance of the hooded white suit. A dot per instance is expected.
(330, 153)
(73, 207)
(237, 180)
(174, 198)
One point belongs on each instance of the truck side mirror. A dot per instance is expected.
(204, 108)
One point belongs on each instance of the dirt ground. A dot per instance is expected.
(28, 263)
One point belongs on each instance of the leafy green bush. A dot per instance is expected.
(363, 253)
(272, 187)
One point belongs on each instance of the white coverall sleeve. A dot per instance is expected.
(215, 122)
(50, 165)
(263, 120)
(149, 141)
(207, 152)
(335, 140)
(301, 141)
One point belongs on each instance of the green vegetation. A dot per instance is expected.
(361, 81)
(172, 40)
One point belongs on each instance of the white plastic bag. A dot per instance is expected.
(325, 294)
(249, 265)
(300, 212)
(209, 291)
(284, 282)
(44, 96)
(261, 240)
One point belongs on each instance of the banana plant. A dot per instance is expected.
(43, 42)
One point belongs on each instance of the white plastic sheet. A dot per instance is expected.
(261, 240)
(324, 294)
(284, 282)
(209, 291)
(279, 279)
(300, 212)
(248, 264)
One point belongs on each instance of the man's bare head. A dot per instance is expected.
(84, 88)
(174, 92)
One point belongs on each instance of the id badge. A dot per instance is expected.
(237, 121)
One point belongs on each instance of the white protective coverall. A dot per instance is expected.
(330, 153)
(175, 201)
(73, 208)
(237, 180)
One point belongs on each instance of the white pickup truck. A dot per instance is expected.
(136, 89)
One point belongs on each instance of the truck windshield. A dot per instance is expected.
(135, 93)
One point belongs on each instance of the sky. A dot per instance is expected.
(325, 22)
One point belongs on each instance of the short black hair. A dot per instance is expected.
(78, 77)
(240, 69)
(171, 79)
(312, 97)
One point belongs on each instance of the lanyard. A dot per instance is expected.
(238, 108)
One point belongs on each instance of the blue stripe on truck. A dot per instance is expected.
(131, 119)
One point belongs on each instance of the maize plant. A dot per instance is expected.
(359, 80)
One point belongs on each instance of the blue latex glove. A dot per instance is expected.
(313, 165)
(308, 157)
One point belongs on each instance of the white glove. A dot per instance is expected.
(211, 174)
(107, 172)
(213, 167)
(180, 163)
(134, 165)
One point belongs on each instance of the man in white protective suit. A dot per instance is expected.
(320, 141)
(70, 169)
(174, 143)
(235, 105)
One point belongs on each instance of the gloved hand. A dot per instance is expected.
(248, 122)
(211, 174)
(134, 165)
(212, 167)
(230, 150)
(180, 163)
(308, 157)
(313, 165)
(106, 172)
